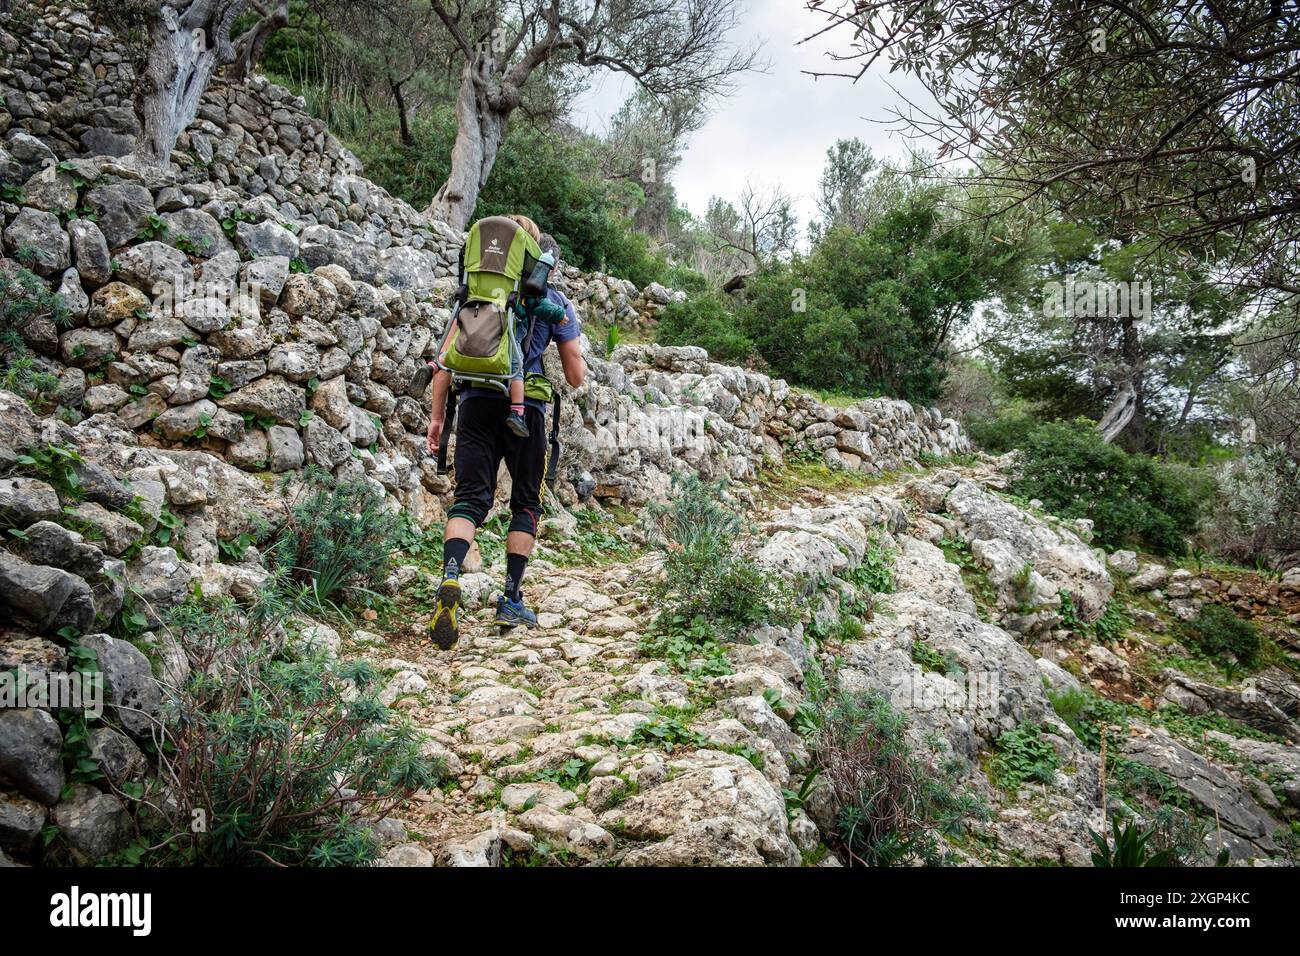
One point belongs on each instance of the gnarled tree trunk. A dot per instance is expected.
(1119, 414)
(187, 42)
(248, 48)
(1127, 411)
(480, 127)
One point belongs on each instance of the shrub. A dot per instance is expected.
(1133, 500)
(1217, 631)
(1256, 509)
(863, 313)
(25, 300)
(336, 539)
(706, 580)
(267, 760)
(1002, 431)
(706, 320)
(891, 804)
(1022, 757)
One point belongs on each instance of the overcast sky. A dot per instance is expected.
(777, 126)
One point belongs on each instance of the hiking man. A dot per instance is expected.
(483, 441)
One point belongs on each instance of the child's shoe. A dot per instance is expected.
(516, 424)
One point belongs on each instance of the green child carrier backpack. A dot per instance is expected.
(496, 256)
(501, 268)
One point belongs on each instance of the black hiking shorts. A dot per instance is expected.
(482, 442)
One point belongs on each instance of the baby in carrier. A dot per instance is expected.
(532, 309)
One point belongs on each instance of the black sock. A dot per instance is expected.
(453, 556)
(515, 564)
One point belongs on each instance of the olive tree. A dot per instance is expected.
(669, 47)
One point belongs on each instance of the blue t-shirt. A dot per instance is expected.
(543, 334)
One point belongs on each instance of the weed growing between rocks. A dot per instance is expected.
(337, 541)
(886, 802)
(690, 648)
(1128, 848)
(1022, 757)
(974, 578)
(28, 311)
(1172, 824)
(707, 582)
(595, 541)
(1220, 633)
(273, 758)
(1172, 838)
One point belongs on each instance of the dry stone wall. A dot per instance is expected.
(262, 301)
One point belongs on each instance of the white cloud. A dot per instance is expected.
(777, 126)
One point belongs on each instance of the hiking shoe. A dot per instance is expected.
(445, 626)
(512, 613)
(517, 424)
(420, 381)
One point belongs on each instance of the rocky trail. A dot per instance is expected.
(193, 341)
(565, 744)
(539, 728)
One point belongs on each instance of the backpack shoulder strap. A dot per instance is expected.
(553, 459)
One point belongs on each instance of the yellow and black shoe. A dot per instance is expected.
(445, 626)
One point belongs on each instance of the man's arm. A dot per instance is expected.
(438, 411)
(575, 367)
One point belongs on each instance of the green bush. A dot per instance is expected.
(1022, 756)
(706, 581)
(706, 320)
(268, 760)
(25, 300)
(863, 313)
(1255, 516)
(1133, 500)
(337, 539)
(1216, 631)
(1000, 433)
(891, 804)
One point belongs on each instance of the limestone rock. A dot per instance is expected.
(579, 837)
(122, 210)
(37, 240)
(709, 784)
(94, 824)
(25, 501)
(130, 690)
(21, 822)
(31, 759)
(160, 579)
(43, 598)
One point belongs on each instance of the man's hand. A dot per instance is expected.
(435, 433)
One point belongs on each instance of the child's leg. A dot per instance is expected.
(516, 376)
(515, 422)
